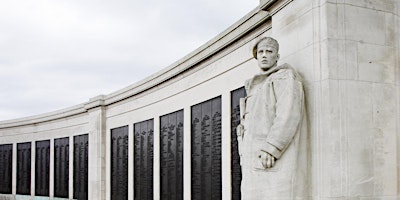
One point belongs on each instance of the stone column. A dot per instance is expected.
(348, 54)
(187, 146)
(97, 151)
(226, 146)
(358, 124)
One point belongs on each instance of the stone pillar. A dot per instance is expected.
(226, 146)
(187, 153)
(71, 168)
(97, 169)
(359, 97)
(348, 54)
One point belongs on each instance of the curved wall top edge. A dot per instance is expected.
(212, 47)
(58, 114)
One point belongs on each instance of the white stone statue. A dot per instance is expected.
(272, 134)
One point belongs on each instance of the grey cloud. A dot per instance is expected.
(55, 54)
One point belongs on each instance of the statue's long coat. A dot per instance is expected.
(274, 122)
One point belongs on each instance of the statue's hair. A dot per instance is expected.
(270, 41)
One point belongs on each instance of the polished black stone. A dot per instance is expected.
(42, 168)
(80, 184)
(61, 167)
(206, 150)
(236, 173)
(6, 168)
(119, 163)
(171, 161)
(24, 168)
(143, 156)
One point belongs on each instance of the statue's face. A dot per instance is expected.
(267, 56)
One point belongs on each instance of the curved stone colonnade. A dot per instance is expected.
(171, 135)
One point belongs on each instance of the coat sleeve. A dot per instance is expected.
(289, 108)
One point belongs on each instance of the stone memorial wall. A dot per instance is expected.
(347, 53)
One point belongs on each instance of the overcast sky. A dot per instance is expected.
(56, 54)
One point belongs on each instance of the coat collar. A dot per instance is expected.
(265, 74)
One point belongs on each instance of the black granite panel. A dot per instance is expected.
(138, 164)
(236, 172)
(216, 176)
(24, 168)
(143, 156)
(119, 163)
(196, 152)
(61, 167)
(179, 155)
(81, 148)
(206, 150)
(42, 168)
(171, 137)
(6, 151)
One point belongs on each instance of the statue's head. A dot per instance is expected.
(266, 52)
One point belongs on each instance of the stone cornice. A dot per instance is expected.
(94, 102)
(59, 114)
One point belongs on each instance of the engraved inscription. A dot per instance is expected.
(143, 156)
(119, 163)
(6, 168)
(42, 168)
(61, 167)
(24, 168)
(80, 184)
(206, 150)
(172, 156)
(236, 173)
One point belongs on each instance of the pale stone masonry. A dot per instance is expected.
(347, 52)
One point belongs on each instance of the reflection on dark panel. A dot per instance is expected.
(61, 167)
(216, 149)
(119, 163)
(24, 168)
(42, 168)
(143, 168)
(196, 152)
(171, 140)
(235, 161)
(179, 155)
(81, 146)
(6, 168)
(206, 150)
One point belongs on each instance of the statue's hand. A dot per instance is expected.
(240, 130)
(267, 160)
